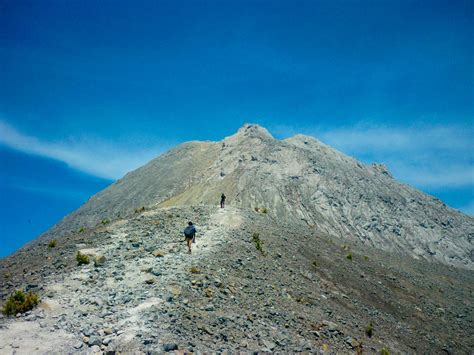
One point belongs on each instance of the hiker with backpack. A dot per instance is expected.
(223, 200)
(190, 235)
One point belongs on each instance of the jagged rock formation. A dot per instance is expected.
(313, 250)
(298, 180)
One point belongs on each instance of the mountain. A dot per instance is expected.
(314, 251)
(298, 180)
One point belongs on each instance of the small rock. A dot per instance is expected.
(270, 345)
(170, 347)
(108, 331)
(78, 345)
(94, 340)
(158, 254)
(95, 348)
(150, 281)
(87, 331)
(99, 260)
(332, 327)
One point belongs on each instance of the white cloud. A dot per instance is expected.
(427, 156)
(93, 156)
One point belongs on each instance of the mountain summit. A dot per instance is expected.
(314, 252)
(298, 180)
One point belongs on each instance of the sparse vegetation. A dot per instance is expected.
(349, 256)
(258, 243)
(369, 331)
(20, 302)
(82, 230)
(261, 209)
(384, 351)
(194, 270)
(366, 257)
(82, 259)
(315, 263)
(105, 222)
(139, 210)
(208, 292)
(52, 244)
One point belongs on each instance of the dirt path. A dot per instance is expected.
(115, 295)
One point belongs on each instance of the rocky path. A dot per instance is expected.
(100, 306)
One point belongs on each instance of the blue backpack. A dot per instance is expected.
(189, 231)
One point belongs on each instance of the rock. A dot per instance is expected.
(108, 331)
(352, 342)
(170, 347)
(78, 345)
(94, 340)
(87, 331)
(95, 349)
(31, 317)
(99, 260)
(270, 345)
(155, 272)
(332, 327)
(158, 254)
(150, 281)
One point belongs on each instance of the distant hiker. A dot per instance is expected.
(222, 200)
(189, 235)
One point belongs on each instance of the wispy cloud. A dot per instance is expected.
(91, 155)
(431, 156)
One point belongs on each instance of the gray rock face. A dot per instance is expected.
(296, 180)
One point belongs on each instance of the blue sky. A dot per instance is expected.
(92, 89)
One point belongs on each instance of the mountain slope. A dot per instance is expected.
(298, 292)
(299, 180)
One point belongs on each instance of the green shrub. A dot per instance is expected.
(82, 230)
(264, 210)
(369, 331)
(384, 351)
(349, 256)
(194, 270)
(366, 257)
(52, 244)
(258, 243)
(315, 264)
(20, 302)
(82, 259)
(257, 209)
(105, 222)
